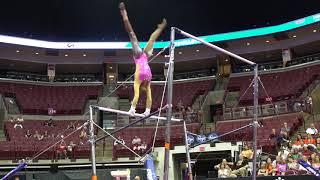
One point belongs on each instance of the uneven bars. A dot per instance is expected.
(215, 47)
(136, 115)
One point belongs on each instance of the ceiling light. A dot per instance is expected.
(267, 41)
(84, 55)
(197, 50)
(110, 67)
(66, 55)
(227, 60)
(294, 36)
(314, 30)
(17, 51)
(180, 52)
(37, 53)
(248, 44)
(111, 76)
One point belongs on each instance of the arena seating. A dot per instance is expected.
(293, 120)
(279, 86)
(184, 91)
(18, 146)
(36, 99)
(146, 134)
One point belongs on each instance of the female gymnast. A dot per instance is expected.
(142, 76)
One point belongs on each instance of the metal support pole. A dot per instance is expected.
(169, 111)
(255, 120)
(93, 148)
(187, 150)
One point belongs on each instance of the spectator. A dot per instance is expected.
(246, 152)
(316, 163)
(292, 164)
(306, 152)
(28, 134)
(49, 123)
(309, 140)
(136, 178)
(46, 135)
(318, 140)
(298, 143)
(295, 154)
(180, 105)
(18, 123)
(11, 119)
(273, 137)
(225, 172)
(136, 140)
(270, 167)
(71, 126)
(284, 152)
(312, 130)
(285, 128)
(225, 162)
(143, 147)
(263, 170)
(240, 167)
(83, 134)
(53, 136)
(70, 149)
(38, 136)
(276, 161)
(117, 143)
(62, 150)
(282, 167)
(283, 140)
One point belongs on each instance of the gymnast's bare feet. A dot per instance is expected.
(163, 24)
(123, 11)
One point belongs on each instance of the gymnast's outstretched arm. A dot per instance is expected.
(137, 51)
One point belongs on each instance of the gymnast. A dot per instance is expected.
(143, 75)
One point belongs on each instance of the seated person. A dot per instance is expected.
(281, 167)
(136, 141)
(292, 164)
(240, 167)
(273, 135)
(18, 123)
(62, 150)
(270, 167)
(284, 152)
(83, 134)
(49, 123)
(309, 140)
(142, 148)
(247, 152)
(117, 143)
(298, 143)
(225, 162)
(285, 128)
(295, 154)
(225, 172)
(46, 135)
(263, 170)
(316, 162)
(312, 130)
(71, 126)
(38, 136)
(70, 149)
(28, 134)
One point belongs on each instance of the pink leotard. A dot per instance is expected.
(145, 71)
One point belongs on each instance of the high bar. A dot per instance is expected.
(215, 47)
(136, 114)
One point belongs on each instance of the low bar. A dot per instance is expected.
(136, 115)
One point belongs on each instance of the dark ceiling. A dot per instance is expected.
(99, 20)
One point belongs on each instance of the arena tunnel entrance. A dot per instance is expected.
(202, 163)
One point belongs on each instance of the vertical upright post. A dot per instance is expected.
(187, 150)
(169, 110)
(255, 120)
(93, 148)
